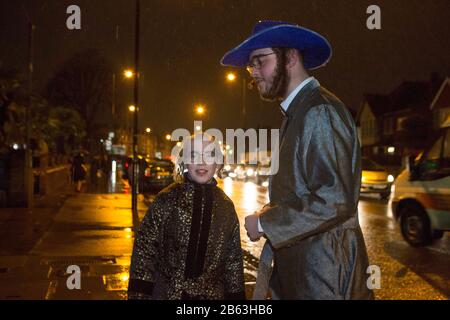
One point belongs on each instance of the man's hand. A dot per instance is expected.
(251, 225)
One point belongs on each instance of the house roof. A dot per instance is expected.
(413, 95)
(379, 104)
(442, 97)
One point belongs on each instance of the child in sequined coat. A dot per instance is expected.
(188, 246)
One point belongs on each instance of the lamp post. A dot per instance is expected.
(28, 152)
(135, 121)
(129, 123)
(127, 74)
(232, 77)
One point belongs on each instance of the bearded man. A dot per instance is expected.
(311, 223)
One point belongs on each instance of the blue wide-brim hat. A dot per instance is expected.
(315, 49)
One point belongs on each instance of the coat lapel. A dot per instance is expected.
(297, 104)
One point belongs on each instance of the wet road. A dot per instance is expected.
(406, 272)
(94, 231)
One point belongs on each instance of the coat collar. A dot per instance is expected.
(300, 98)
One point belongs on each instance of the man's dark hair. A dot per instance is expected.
(281, 78)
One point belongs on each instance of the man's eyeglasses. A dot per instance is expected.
(256, 62)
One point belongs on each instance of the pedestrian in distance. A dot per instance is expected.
(78, 171)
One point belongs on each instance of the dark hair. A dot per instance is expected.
(281, 77)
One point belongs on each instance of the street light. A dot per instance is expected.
(148, 130)
(132, 108)
(231, 76)
(200, 109)
(128, 73)
(168, 137)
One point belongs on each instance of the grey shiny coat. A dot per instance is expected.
(312, 222)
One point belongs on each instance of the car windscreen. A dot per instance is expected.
(161, 169)
(370, 165)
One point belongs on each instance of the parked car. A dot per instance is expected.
(154, 174)
(157, 175)
(420, 199)
(375, 179)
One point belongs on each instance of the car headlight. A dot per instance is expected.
(391, 178)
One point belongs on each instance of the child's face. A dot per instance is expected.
(201, 167)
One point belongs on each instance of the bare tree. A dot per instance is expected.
(84, 83)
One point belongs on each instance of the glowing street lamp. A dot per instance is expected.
(132, 108)
(148, 130)
(168, 137)
(231, 77)
(200, 109)
(128, 73)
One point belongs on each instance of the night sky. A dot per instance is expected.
(183, 41)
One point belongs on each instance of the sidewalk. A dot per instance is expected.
(21, 228)
(91, 231)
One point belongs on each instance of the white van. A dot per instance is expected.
(421, 194)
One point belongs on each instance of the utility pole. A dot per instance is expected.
(244, 102)
(135, 177)
(28, 151)
(113, 102)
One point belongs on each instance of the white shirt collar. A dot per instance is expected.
(286, 102)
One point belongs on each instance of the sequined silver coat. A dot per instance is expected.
(312, 222)
(188, 246)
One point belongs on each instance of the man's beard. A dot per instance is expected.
(279, 85)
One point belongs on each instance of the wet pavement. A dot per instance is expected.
(93, 230)
(406, 272)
